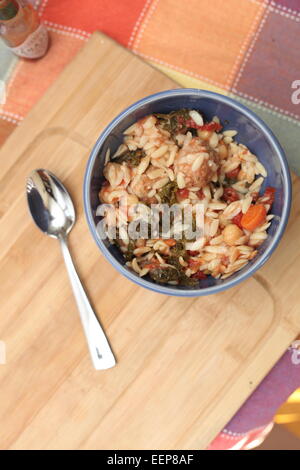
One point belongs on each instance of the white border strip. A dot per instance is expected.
(67, 28)
(9, 119)
(66, 32)
(138, 22)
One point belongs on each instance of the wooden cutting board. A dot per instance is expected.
(184, 365)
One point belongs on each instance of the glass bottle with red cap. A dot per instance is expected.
(21, 29)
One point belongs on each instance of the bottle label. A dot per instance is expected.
(9, 11)
(35, 45)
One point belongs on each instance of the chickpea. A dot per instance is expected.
(231, 234)
(204, 135)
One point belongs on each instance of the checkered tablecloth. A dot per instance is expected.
(246, 49)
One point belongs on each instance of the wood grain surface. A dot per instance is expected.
(185, 366)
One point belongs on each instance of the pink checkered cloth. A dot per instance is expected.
(254, 420)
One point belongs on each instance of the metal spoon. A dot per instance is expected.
(53, 212)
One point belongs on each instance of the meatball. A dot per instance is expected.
(197, 163)
(141, 185)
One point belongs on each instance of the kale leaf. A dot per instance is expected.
(132, 157)
(167, 193)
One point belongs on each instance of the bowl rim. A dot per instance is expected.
(160, 288)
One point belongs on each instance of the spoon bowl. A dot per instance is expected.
(50, 204)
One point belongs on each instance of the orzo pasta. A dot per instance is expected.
(179, 158)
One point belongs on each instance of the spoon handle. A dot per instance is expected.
(100, 351)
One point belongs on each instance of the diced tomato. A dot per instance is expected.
(190, 123)
(211, 126)
(193, 253)
(170, 242)
(182, 193)
(199, 275)
(237, 220)
(151, 265)
(233, 174)
(194, 263)
(181, 119)
(270, 194)
(230, 195)
(187, 122)
(225, 260)
(200, 194)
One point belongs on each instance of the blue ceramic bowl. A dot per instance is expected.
(251, 131)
